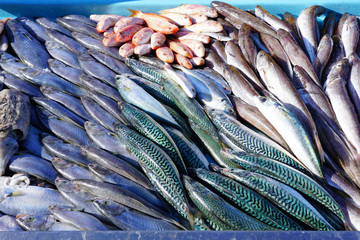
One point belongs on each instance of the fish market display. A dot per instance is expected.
(191, 118)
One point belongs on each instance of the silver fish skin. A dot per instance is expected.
(247, 45)
(93, 43)
(309, 29)
(218, 48)
(33, 28)
(70, 102)
(323, 54)
(341, 22)
(50, 24)
(98, 113)
(127, 219)
(66, 72)
(213, 61)
(353, 81)
(9, 223)
(100, 87)
(81, 18)
(76, 26)
(335, 89)
(33, 144)
(65, 130)
(59, 110)
(117, 165)
(350, 35)
(229, 28)
(13, 82)
(181, 80)
(65, 41)
(62, 54)
(81, 200)
(41, 78)
(29, 50)
(337, 54)
(33, 166)
(114, 64)
(57, 148)
(81, 220)
(31, 222)
(296, 55)
(109, 176)
(236, 59)
(71, 170)
(278, 53)
(96, 69)
(11, 64)
(33, 199)
(216, 78)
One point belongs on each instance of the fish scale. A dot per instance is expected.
(147, 126)
(145, 70)
(158, 167)
(293, 203)
(288, 176)
(248, 201)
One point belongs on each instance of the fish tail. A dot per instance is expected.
(133, 12)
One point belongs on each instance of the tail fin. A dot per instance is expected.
(133, 12)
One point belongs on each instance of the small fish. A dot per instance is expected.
(180, 79)
(126, 34)
(193, 36)
(107, 22)
(110, 41)
(142, 49)
(197, 48)
(76, 26)
(33, 28)
(62, 54)
(193, 9)
(350, 35)
(81, 18)
(114, 64)
(183, 61)
(67, 41)
(178, 18)
(98, 17)
(323, 54)
(179, 48)
(206, 26)
(165, 54)
(157, 40)
(156, 22)
(197, 61)
(71, 170)
(142, 36)
(126, 50)
(197, 18)
(45, 222)
(127, 21)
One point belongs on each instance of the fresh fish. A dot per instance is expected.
(128, 219)
(81, 18)
(157, 40)
(11, 64)
(179, 48)
(100, 87)
(350, 35)
(197, 61)
(80, 220)
(96, 44)
(238, 16)
(33, 28)
(9, 223)
(62, 54)
(230, 29)
(309, 29)
(219, 36)
(291, 129)
(275, 191)
(353, 81)
(178, 18)
(337, 54)
(126, 50)
(219, 49)
(21, 85)
(291, 21)
(216, 78)
(110, 40)
(106, 22)
(247, 200)
(193, 9)
(197, 48)
(50, 24)
(59, 110)
(117, 165)
(193, 36)
(42, 78)
(180, 79)
(198, 18)
(72, 171)
(206, 26)
(341, 22)
(67, 72)
(165, 54)
(142, 36)
(29, 50)
(134, 94)
(156, 22)
(45, 222)
(33, 144)
(323, 54)
(32, 199)
(125, 34)
(112, 63)
(221, 214)
(66, 41)
(143, 49)
(70, 102)
(146, 70)
(34, 166)
(183, 61)
(70, 152)
(76, 26)
(127, 21)
(96, 69)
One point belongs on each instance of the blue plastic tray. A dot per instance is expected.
(57, 8)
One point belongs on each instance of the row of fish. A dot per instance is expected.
(91, 141)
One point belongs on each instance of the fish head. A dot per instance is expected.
(263, 61)
(47, 90)
(54, 63)
(61, 163)
(260, 12)
(85, 57)
(30, 72)
(353, 58)
(214, 167)
(32, 222)
(59, 208)
(64, 185)
(6, 57)
(109, 206)
(8, 147)
(94, 128)
(98, 170)
(339, 70)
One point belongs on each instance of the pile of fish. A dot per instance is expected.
(264, 137)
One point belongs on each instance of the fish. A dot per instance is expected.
(126, 50)
(156, 22)
(81, 18)
(340, 23)
(125, 34)
(76, 26)
(142, 49)
(67, 72)
(71, 170)
(350, 35)
(44, 222)
(329, 24)
(50, 24)
(211, 26)
(197, 48)
(142, 36)
(66, 41)
(193, 36)
(33, 144)
(183, 61)
(165, 54)
(178, 18)
(197, 61)
(106, 22)
(35, 29)
(353, 81)
(218, 48)
(179, 48)
(99, 86)
(193, 9)
(157, 40)
(62, 54)
(323, 54)
(247, 46)
(197, 18)
(110, 41)
(127, 21)
(13, 82)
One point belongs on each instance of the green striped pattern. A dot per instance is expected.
(284, 197)
(221, 215)
(147, 126)
(288, 176)
(158, 167)
(180, 120)
(248, 200)
(145, 70)
(249, 142)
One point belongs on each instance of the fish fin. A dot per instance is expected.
(133, 12)
(15, 193)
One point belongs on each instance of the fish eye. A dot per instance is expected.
(262, 99)
(30, 219)
(231, 110)
(106, 203)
